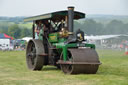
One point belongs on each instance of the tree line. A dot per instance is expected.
(89, 26)
(15, 31)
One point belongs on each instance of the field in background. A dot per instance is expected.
(113, 71)
(26, 25)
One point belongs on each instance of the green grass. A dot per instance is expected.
(13, 71)
(26, 25)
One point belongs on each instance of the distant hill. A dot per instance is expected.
(107, 18)
(12, 19)
(98, 17)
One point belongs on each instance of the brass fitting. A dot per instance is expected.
(65, 33)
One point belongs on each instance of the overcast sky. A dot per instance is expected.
(36, 7)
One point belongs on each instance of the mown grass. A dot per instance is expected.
(113, 71)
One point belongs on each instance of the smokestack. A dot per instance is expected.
(70, 18)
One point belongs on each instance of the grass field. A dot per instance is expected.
(26, 25)
(113, 71)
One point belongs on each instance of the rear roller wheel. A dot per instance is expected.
(34, 57)
(83, 61)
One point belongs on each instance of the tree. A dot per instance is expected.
(14, 31)
(125, 31)
(92, 27)
(4, 27)
(77, 26)
(25, 32)
(115, 27)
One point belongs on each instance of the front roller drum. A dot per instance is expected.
(35, 55)
(83, 60)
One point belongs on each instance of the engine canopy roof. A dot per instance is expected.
(55, 16)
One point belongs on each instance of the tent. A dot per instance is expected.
(5, 36)
(27, 38)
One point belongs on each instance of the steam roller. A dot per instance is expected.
(59, 45)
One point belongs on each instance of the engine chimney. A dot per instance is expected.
(70, 18)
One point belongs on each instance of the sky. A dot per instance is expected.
(36, 7)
